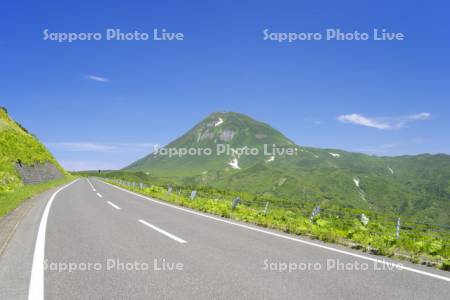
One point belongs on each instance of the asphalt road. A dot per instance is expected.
(100, 242)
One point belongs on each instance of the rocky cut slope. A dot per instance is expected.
(23, 159)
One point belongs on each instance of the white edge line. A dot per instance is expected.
(398, 266)
(113, 205)
(92, 186)
(163, 232)
(100, 195)
(36, 288)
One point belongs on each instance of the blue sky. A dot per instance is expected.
(102, 104)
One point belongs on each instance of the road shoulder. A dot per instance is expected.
(18, 231)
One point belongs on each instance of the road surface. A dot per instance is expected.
(91, 240)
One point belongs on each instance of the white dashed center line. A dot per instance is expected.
(163, 232)
(113, 205)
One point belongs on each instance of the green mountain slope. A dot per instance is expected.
(417, 186)
(231, 129)
(17, 145)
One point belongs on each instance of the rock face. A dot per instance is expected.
(38, 173)
(23, 158)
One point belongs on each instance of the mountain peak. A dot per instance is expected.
(236, 129)
(325, 175)
(219, 129)
(238, 122)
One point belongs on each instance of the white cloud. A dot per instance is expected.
(97, 78)
(102, 148)
(364, 121)
(419, 117)
(383, 123)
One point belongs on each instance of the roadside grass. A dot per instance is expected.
(12, 199)
(427, 248)
(17, 145)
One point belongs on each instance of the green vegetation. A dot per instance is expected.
(345, 185)
(11, 199)
(420, 243)
(16, 144)
(416, 187)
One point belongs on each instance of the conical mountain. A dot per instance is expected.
(223, 141)
(416, 185)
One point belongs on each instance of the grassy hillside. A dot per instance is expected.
(413, 186)
(17, 144)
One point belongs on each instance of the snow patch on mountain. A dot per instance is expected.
(391, 170)
(272, 158)
(234, 163)
(220, 121)
(334, 154)
(362, 194)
